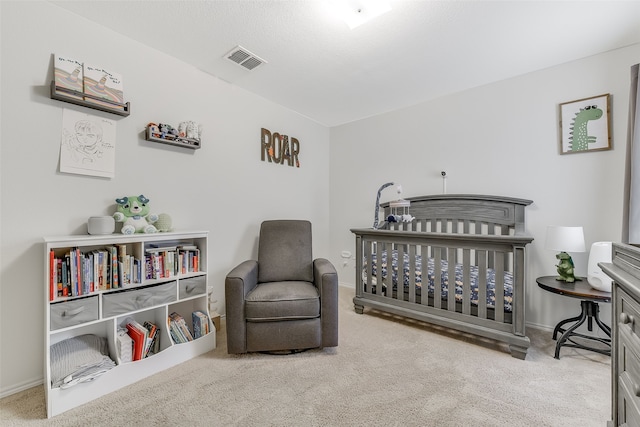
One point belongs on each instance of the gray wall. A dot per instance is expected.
(224, 187)
(499, 139)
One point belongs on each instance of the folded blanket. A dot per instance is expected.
(79, 359)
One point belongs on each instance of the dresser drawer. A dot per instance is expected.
(74, 312)
(115, 303)
(628, 401)
(192, 286)
(628, 313)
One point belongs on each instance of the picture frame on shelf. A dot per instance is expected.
(585, 125)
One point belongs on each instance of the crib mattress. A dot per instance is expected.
(444, 285)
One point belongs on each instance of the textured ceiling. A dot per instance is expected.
(420, 50)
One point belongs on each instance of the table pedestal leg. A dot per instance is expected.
(590, 311)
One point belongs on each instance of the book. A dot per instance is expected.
(53, 285)
(68, 76)
(200, 323)
(103, 87)
(113, 267)
(178, 326)
(139, 335)
(152, 339)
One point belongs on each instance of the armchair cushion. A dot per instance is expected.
(282, 301)
(284, 251)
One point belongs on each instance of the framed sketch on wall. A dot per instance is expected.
(584, 125)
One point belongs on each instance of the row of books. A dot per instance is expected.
(170, 261)
(179, 329)
(80, 272)
(88, 82)
(146, 338)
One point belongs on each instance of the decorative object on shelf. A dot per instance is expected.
(167, 134)
(134, 213)
(190, 130)
(68, 75)
(101, 225)
(87, 144)
(565, 239)
(275, 148)
(164, 223)
(377, 209)
(103, 87)
(584, 125)
(600, 252)
(88, 86)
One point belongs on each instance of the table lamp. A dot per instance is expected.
(565, 239)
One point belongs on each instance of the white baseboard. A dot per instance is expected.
(17, 388)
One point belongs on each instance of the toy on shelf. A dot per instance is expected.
(187, 134)
(134, 213)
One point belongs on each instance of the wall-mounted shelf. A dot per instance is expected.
(193, 144)
(79, 98)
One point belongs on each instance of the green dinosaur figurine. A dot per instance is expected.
(565, 268)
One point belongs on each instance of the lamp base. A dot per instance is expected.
(565, 268)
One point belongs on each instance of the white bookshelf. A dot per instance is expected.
(102, 312)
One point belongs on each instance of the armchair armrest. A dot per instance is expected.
(237, 285)
(326, 280)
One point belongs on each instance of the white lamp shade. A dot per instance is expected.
(600, 252)
(565, 239)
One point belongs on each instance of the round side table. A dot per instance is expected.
(590, 311)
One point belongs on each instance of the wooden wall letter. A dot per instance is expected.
(275, 148)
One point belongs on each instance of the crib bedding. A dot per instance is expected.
(473, 273)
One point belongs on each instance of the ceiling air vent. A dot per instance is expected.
(244, 58)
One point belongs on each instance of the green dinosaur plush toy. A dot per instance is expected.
(133, 212)
(565, 268)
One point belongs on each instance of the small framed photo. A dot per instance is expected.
(584, 125)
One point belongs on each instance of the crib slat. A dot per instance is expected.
(384, 285)
(367, 254)
(424, 272)
(412, 273)
(399, 275)
(451, 298)
(466, 279)
(482, 284)
(437, 277)
(499, 289)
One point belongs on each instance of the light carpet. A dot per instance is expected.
(387, 371)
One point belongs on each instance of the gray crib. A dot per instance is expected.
(479, 240)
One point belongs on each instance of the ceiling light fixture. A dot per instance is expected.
(357, 12)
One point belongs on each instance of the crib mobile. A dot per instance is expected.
(400, 211)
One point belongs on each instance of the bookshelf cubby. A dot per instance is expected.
(103, 311)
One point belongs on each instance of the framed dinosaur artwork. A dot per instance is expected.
(584, 125)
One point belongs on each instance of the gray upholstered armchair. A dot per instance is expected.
(285, 300)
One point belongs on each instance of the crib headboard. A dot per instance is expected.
(463, 213)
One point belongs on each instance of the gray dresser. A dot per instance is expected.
(625, 358)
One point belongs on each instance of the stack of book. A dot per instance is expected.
(178, 329)
(76, 272)
(200, 322)
(145, 338)
(169, 261)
